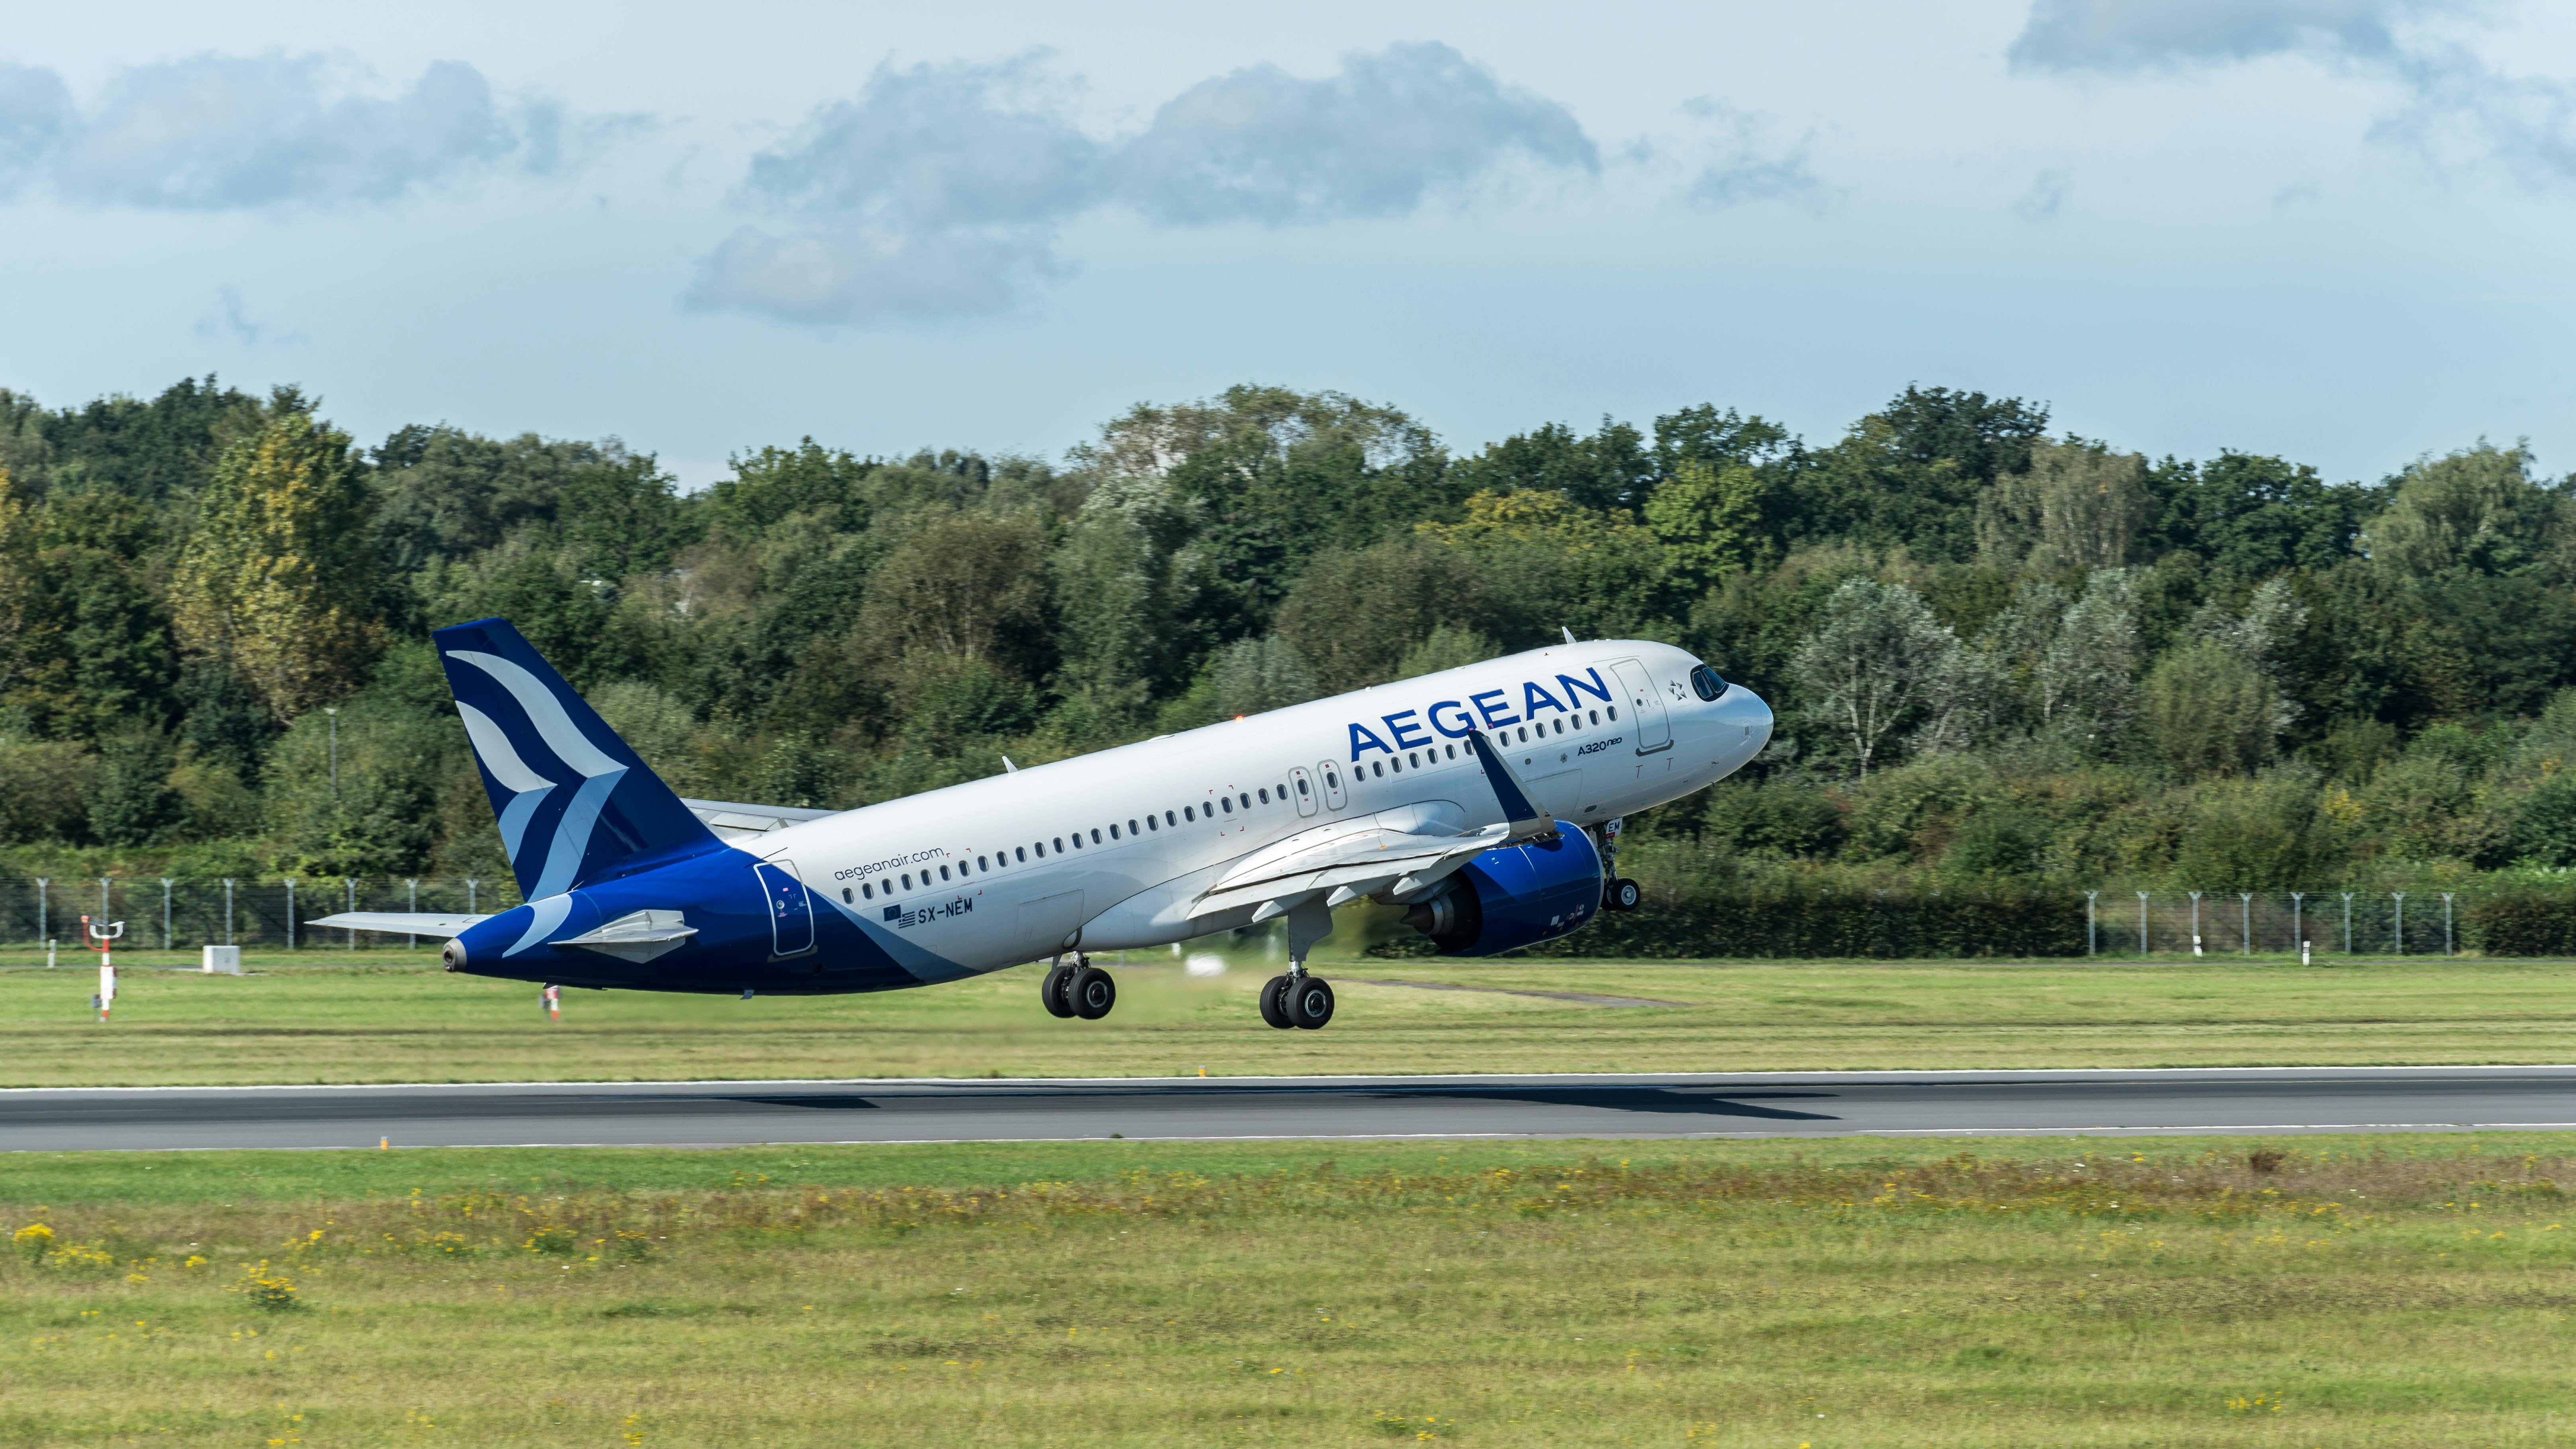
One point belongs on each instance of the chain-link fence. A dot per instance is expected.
(2250, 923)
(267, 914)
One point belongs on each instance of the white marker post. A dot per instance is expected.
(554, 1002)
(101, 937)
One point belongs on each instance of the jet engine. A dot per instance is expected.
(1514, 895)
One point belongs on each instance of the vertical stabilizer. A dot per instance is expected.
(575, 804)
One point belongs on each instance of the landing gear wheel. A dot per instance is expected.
(1091, 992)
(1310, 1003)
(1274, 1002)
(1623, 895)
(1051, 991)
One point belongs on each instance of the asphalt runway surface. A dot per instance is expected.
(711, 1114)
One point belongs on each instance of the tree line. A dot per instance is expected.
(2001, 656)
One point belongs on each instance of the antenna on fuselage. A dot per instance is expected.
(1568, 633)
(1008, 766)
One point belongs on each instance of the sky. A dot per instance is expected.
(2334, 230)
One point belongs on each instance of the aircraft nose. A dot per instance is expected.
(1743, 708)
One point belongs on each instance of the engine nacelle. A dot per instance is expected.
(1511, 896)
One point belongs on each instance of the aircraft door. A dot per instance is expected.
(791, 911)
(1305, 783)
(1334, 796)
(1646, 707)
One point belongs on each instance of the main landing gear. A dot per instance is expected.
(1081, 989)
(1298, 1000)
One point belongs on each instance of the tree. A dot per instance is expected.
(1355, 614)
(280, 577)
(2209, 711)
(2079, 505)
(967, 586)
(1126, 587)
(1251, 676)
(1709, 520)
(133, 802)
(2476, 510)
(1865, 669)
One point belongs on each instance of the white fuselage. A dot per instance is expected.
(1111, 851)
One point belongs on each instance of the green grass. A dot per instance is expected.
(407, 1022)
(2390, 1291)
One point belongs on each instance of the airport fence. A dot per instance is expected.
(1755, 921)
(1806, 922)
(266, 914)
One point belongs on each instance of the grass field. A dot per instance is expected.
(2390, 1291)
(411, 1022)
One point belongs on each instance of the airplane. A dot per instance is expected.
(1486, 800)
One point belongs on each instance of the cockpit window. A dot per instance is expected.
(1704, 680)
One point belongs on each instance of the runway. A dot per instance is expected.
(711, 1114)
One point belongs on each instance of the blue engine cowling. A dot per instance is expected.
(1537, 890)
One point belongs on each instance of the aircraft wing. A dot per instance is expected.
(1402, 863)
(410, 923)
(732, 821)
(1360, 863)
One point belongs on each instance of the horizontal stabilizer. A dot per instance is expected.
(409, 923)
(637, 936)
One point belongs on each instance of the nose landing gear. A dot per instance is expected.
(1618, 893)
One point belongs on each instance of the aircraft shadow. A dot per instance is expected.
(1659, 1100)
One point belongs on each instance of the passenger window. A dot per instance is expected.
(1153, 824)
(1189, 812)
(868, 889)
(1413, 759)
(1059, 844)
(1024, 854)
(1095, 835)
(1265, 794)
(1614, 711)
(1131, 827)
(1453, 752)
(1168, 820)
(907, 880)
(1113, 830)
(1302, 790)
(845, 895)
(1378, 768)
(1041, 848)
(1246, 799)
(943, 872)
(1228, 804)
(983, 863)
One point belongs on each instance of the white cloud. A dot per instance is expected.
(2046, 195)
(2454, 105)
(231, 321)
(2131, 35)
(217, 133)
(1747, 166)
(35, 116)
(938, 190)
(1376, 140)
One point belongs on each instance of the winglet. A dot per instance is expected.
(1524, 815)
(576, 805)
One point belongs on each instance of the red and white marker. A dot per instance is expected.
(99, 936)
(554, 1003)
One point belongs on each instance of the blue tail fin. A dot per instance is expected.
(576, 805)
